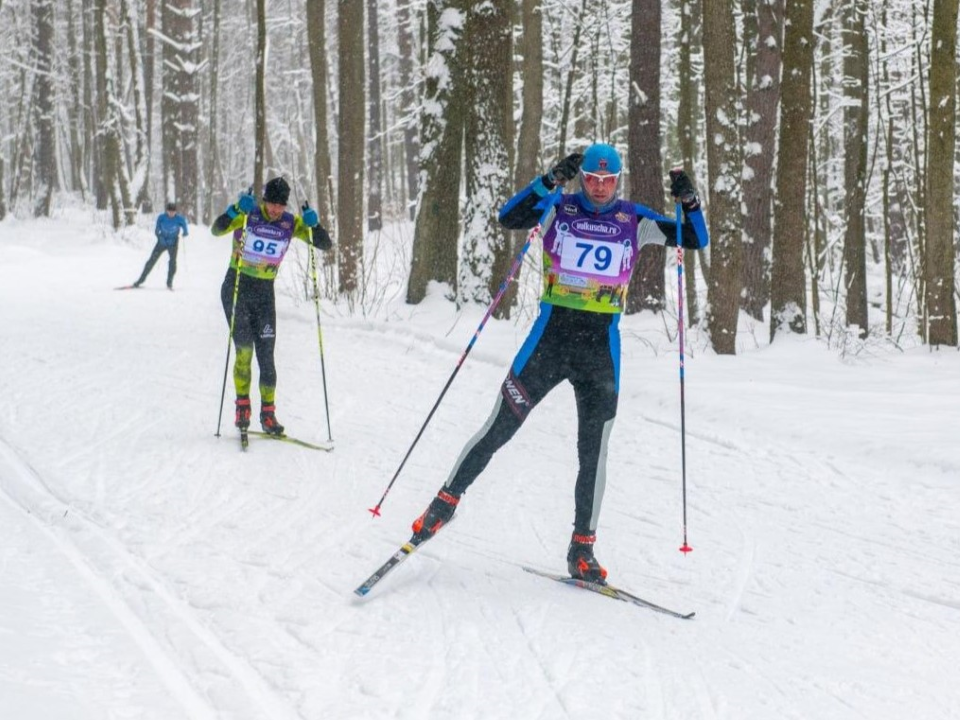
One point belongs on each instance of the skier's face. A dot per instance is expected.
(274, 210)
(600, 187)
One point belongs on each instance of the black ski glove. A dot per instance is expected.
(682, 188)
(563, 171)
(321, 238)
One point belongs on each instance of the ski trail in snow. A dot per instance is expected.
(32, 497)
(172, 677)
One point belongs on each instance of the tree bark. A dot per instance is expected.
(856, 116)
(725, 164)
(317, 43)
(531, 72)
(787, 290)
(487, 251)
(408, 96)
(260, 97)
(350, 132)
(374, 139)
(646, 290)
(436, 229)
(43, 108)
(763, 99)
(940, 255)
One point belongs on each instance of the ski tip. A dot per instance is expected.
(374, 511)
(361, 591)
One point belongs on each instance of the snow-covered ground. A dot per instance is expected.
(150, 570)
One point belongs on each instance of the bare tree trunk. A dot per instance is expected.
(351, 136)
(374, 139)
(212, 171)
(317, 43)
(725, 167)
(180, 103)
(763, 98)
(43, 108)
(687, 130)
(487, 251)
(940, 255)
(436, 230)
(788, 292)
(91, 103)
(646, 291)
(149, 69)
(141, 158)
(110, 162)
(260, 100)
(411, 142)
(531, 71)
(568, 92)
(856, 115)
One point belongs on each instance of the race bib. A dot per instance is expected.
(259, 250)
(593, 257)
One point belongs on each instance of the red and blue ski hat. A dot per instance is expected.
(599, 157)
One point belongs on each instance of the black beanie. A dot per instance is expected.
(276, 191)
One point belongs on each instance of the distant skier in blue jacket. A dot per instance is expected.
(168, 228)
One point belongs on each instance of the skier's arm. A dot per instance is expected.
(235, 215)
(656, 229)
(523, 210)
(308, 228)
(225, 224)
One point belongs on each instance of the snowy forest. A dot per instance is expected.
(819, 133)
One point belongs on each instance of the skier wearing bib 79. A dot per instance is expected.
(590, 239)
(261, 237)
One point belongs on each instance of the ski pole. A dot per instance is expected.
(534, 233)
(685, 548)
(233, 318)
(316, 304)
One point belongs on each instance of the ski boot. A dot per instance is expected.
(580, 560)
(437, 514)
(242, 419)
(268, 420)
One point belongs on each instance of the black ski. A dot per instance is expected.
(405, 551)
(611, 592)
(325, 447)
(127, 287)
(244, 439)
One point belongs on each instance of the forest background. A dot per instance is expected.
(821, 134)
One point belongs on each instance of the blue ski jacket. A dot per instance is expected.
(168, 229)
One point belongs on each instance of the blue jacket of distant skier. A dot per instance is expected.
(168, 229)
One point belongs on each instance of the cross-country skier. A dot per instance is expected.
(576, 335)
(261, 236)
(168, 228)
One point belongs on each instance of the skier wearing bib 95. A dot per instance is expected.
(261, 237)
(590, 239)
